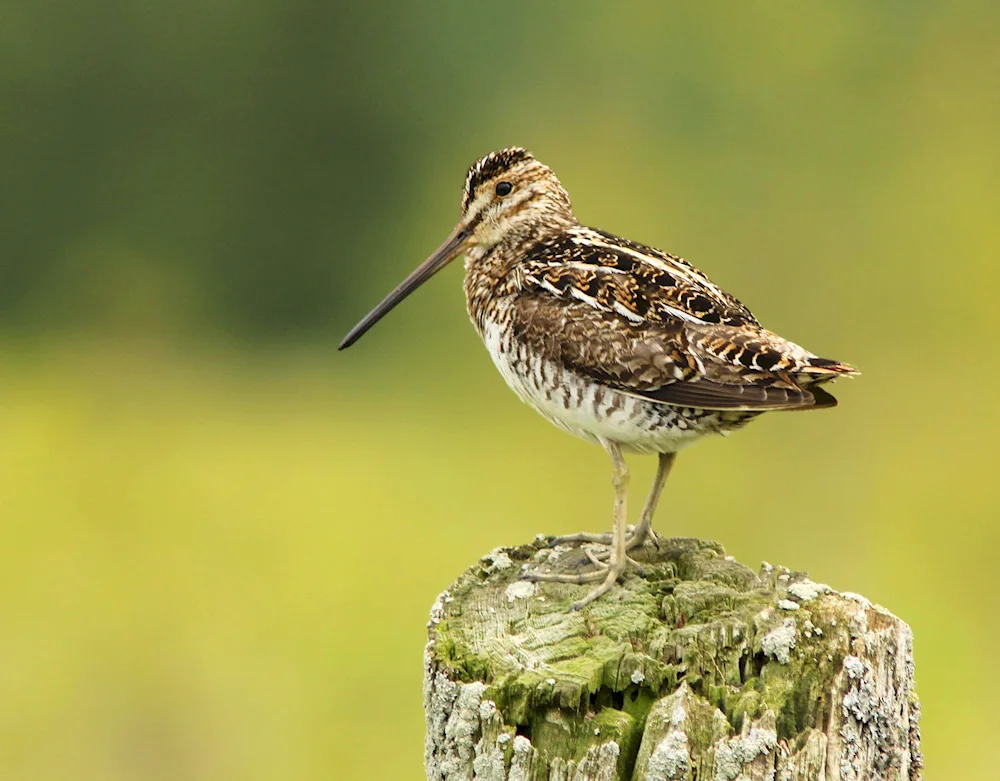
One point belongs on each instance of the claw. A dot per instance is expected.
(637, 565)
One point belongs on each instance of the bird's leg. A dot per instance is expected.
(611, 571)
(642, 529)
(619, 559)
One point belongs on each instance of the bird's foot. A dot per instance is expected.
(576, 579)
(606, 571)
(636, 537)
(600, 559)
(608, 574)
(614, 571)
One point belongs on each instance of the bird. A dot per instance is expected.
(616, 342)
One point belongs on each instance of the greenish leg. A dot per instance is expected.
(610, 572)
(643, 528)
(619, 559)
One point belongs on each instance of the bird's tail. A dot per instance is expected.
(818, 370)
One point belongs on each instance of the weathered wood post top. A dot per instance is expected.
(697, 669)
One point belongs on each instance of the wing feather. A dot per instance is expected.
(678, 362)
(648, 283)
(706, 394)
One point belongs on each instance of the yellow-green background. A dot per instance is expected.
(220, 537)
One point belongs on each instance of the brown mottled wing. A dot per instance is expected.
(636, 281)
(677, 362)
(650, 324)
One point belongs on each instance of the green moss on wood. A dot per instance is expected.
(697, 620)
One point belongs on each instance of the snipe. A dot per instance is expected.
(619, 343)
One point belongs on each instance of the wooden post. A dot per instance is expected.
(699, 670)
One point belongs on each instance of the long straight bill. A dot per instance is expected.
(442, 255)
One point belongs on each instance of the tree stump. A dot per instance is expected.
(697, 669)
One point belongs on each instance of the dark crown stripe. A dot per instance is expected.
(493, 165)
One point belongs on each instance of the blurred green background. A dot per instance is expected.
(221, 537)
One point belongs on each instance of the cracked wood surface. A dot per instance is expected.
(700, 670)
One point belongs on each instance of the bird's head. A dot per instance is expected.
(508, 195)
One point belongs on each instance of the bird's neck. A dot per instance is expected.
(491, 272)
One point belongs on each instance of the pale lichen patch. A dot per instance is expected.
(499, 560)
(805, 590)
(733, 756)
(522, 761)
(779, 642)
(600, 763)
(864, 601)
(437, 609)
(670, 759)
(854, 667)
(520, 589)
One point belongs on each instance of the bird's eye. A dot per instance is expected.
(504, 188)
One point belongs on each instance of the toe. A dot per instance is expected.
(603, 539)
